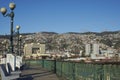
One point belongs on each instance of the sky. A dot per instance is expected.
(62, 16)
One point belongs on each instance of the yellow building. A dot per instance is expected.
(34, 49)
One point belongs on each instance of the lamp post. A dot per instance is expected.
(18, 27)
(11, 15)
(20, 45)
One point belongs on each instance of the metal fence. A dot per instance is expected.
(80, 70)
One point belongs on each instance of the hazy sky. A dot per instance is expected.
(62, 15)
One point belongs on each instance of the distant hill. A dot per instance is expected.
(5, 36)
(102, 33)
(72, 33)
(87, 33)
(49, 32)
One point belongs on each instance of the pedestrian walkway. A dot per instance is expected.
(37, 73)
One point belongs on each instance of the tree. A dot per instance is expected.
(107, 42)
(117, 45)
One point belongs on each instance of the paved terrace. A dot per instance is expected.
(37, 73)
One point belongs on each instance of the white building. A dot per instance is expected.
(88, 49)
(95, 48)
(34, 49)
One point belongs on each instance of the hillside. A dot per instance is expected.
(71, 41)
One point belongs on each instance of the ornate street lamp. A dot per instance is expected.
(18, 28)
(20, 45)
(11, 15)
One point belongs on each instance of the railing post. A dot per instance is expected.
(42, 63)
(73, 68)
(61, 68)
(55, 66)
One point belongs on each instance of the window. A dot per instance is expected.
(35, 50)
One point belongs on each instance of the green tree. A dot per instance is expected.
(107, 42)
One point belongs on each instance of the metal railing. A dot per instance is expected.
(80, 70)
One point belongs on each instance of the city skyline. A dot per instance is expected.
(62, 16)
